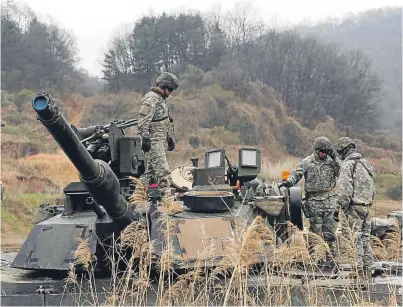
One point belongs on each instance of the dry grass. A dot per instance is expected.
(139, 200)
(271, 170)
(82, 254)
(41, 173)
(390, 248)
(230, 281)
(170, 206)
(57, 167)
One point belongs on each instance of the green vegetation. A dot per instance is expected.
(17, 210)
(388, 186)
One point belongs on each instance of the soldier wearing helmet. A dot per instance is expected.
(320, 171)
(155, 127)
(356, 193)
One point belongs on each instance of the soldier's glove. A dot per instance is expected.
(145, 144)
(284, 184)
(171, 144)
(331, 153)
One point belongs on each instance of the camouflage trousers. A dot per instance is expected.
(322, 221)
(156, 166)
(360, 227)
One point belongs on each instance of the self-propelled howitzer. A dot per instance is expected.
(51, 243)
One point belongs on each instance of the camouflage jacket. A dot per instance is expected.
(357, 188)
(320, 175)
(154, 115)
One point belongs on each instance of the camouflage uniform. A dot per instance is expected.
(155, 124)
(261, 189)
(356, 192)
(320, 180)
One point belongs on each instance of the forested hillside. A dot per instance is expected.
(313, 79)
(378, 34)
(39, 54)
(231, 65)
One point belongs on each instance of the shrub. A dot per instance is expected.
(194, 141)
(395, 193)
(293, 139)
(22, 97)
(29, 149)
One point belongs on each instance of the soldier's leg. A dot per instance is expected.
(163, 173)
(329, 232)
(368, 258)
(149, 175)
(330, 226)
(347, 237)
(315, 211)
(355, 223)
(146, 178)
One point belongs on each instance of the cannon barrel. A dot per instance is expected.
(96, 175)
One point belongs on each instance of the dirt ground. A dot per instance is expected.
(12, 242)
(381, 208)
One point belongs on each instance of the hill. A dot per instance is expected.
(378, 34)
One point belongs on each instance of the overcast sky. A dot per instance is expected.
(93, 22)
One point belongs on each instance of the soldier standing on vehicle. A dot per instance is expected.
(320, 171)
(356, 193)
(155, 127)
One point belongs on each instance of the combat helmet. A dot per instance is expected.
(343, 142)
(167, 80)
(322, 143)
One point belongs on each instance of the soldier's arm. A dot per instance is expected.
(297, 174)
(171, 129)
(147, 112)
(345, 185)
(337, 166)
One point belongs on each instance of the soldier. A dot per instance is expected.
(320, 171)
(356, 193)
(156, 130)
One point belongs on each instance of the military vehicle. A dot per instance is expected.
(98, 209)
(383, 227)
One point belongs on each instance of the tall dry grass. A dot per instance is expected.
(271, 169)
(55, 169)
(234, 279)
